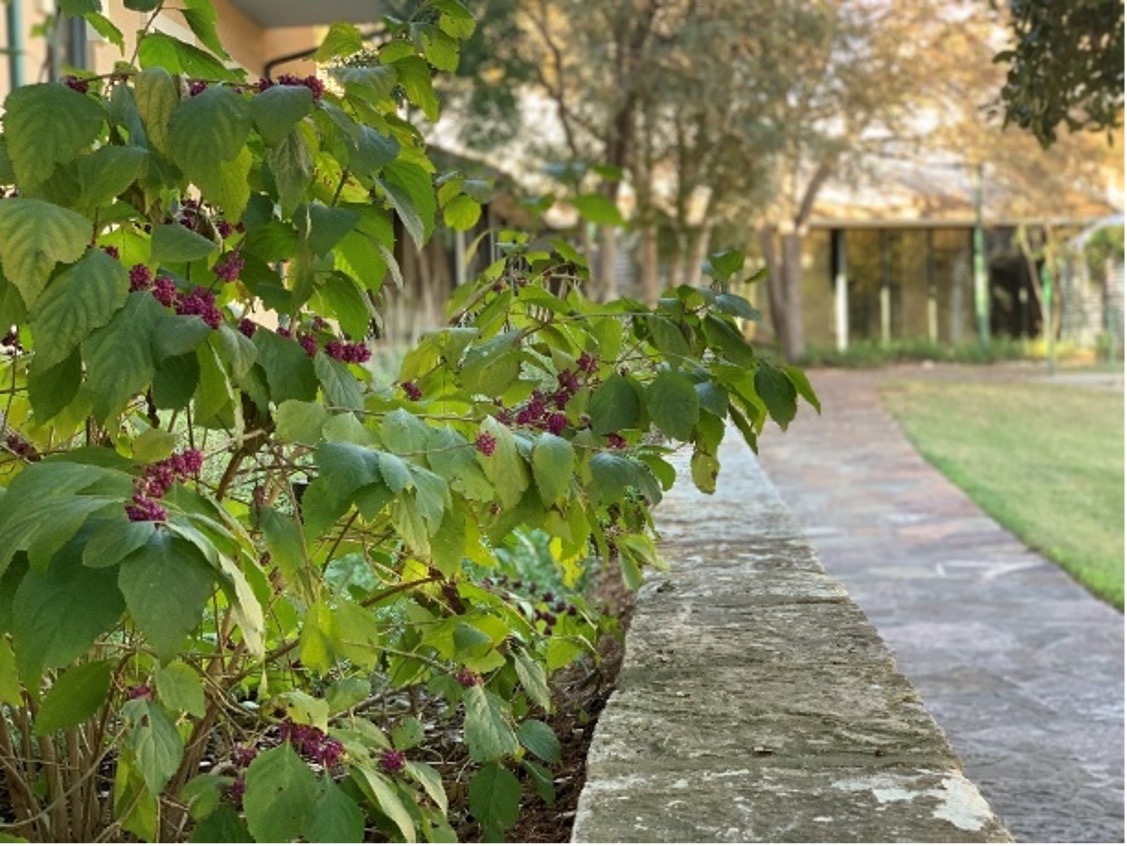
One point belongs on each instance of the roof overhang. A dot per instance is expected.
(271, 14)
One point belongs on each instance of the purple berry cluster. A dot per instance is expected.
(486, 444)
(139, 691)
(315, 86)
(11, 340)
(229, 266)
(82, 86)
(544, 410)
(248, 327)
(201, 302)
(348, 352)
(413, 391)
(311, 743)
(393, 761)
(21, 447)
(467, 678)
(150, 488)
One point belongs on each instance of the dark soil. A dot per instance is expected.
(580, 697)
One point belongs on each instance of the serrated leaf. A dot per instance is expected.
(414, 76)
(388, 801)
(75, 696)
(724, 338)
(292, 166)
(494, 796)
(341, 389)
(505, 468)
(179, 689)
(81, 299)
(118, 356)
(113, 539)
(281, 795)
(803, 386)
(488, 733)
(277, 110)
(88, 600)
(455, 19)
(34, 237)
(51, 389)
(336, 817)
(210, 127)
(328, 225)
(374, 84)
(430, 780)
(667, 337)
(289, 370)
(778, 393)
(166, 584)
(553, 463)
(175, 56)
(175, 243)
(539, 739)
(46, 124)
(227, 184)
(672, 403)
(533, 679)
(105, 28)
(202, 18)
(614, 406)
(408, 734)
(342, 39)
(156, 96)
(342, 299)
(153, 742)
(107, 172)
(721, 265)
(611, 475)
(737, 306)
(411, 193)
(300, 422)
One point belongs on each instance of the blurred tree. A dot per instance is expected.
(1066, 66)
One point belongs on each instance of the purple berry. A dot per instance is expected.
(413, 392)
(486, 444)
(393, 761)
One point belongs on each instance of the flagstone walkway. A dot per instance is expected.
(1021, 667)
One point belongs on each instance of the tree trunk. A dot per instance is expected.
(775, 298)
(697, 254)
(608, 249)
(647, 263)
(793, 338)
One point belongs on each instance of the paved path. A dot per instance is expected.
(1020, 666)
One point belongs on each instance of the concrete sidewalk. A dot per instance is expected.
(1021, 667)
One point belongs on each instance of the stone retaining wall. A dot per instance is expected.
(757, 703)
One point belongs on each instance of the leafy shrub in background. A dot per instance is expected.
(242, 584)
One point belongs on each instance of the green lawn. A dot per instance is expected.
(1045, 461)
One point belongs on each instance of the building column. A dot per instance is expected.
(932, 291)
(885, 290)
(841, 290)
(981, 281)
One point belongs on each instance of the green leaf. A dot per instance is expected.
(175, 381)
(175, 56)
(75, 696)
(82, 298)
(672, 403)
(223, 826)
(46, 124)
(202, 18)
(411, 193)
(408, 734)
(304, 709)
(712, 398)
(179, 689)
(281, 796)
(539, 739)
(292, 166)
(488, 733)
(153, 741)
(107, 172)
(34, 237)
(277, 110)
(289, 370)
(598, 209)
(210, 127)
(300, 422)
(614, 406)
(119, 357)
(201, 795)
(494, 796)
(156, 95)
(668, 338)
(328, 225)
(778, 393)
(236, 350)
(541, 780)
(53, 388)
(737, 306)
(431, 781)
(533, 679)
(803, 386)
(462, 213)
(227, 184)
(723, 264)
(166, 584)
(10, 693)
(611, 475)
(553, 463)
(387, 800)
(373, 84)
(59, 613)
(342, 39)
(286, 546)
(78, 8)
(455, 19)
(153, 445)
(336, 817)
(505, 469)
(105, 28)
(342, 298)
(414, 76)
(142, 5)
(114, 538)
(725, 339)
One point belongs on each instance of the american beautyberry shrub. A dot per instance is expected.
(244, 586)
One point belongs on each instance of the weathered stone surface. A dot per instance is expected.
(757, 703)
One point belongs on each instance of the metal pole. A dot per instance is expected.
(14, 20)
(981, 283)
